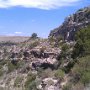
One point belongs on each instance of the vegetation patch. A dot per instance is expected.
(30, 79)
(59, 74)
(18, 81)
(81, 71)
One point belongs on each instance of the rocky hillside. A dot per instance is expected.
(25, 63)
(72, 24)
(49, 64)
(38, 64)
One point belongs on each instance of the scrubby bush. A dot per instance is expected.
(67, 87)
(69, 66)
(59, 74)
(42, 49)
(56, 42)
(32, 86)
(52, 39)
(81, 71)
(64, 52)
(45, 73)
(34, 44)
(12, 66)
(30, 79)
(82, 46)
(18, 81)
(2, 63)
(1, 72)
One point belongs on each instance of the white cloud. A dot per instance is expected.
(41, 4)
(18, 32)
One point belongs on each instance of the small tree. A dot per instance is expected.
(64, 51)
(34, 35)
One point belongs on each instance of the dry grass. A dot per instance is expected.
(13, 38)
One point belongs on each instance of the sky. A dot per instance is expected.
(24, 17)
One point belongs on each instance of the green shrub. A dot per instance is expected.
(82, 46)
(67, 87)
(52, 39)
(18, 81)
(64, 52)
(30, 79)
(1, 72)
(69, 66)
(3, 62)
(45, 73)
(59, 74)
(81, 71)
(12, 67)
(32, 86)
(34, 44)
(85, 79)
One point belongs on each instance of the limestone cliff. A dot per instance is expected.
(72, 23)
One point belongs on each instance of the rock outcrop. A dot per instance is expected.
(48, 84)
(72, 24)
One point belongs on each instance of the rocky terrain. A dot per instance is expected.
(18, 61)
(72, 24)
(49, 64)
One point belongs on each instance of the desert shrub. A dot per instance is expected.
(67, 87)
(59, 74)
(65, 47)
(69, 66)
(64, 52)
(52, 39)
(34, 44)
(45, 73)
(85, 78)
(56, 42)
(81, 71)
(82, 46)
(12, 67)
(2, 63)
(0, 66)
(42, 49)
(30, 78)
(1, 72)
(32, 86)
(87, 14)
(18, 81)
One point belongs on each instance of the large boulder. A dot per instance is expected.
(36, 53)
(44, 63)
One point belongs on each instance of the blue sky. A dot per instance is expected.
(23, 17)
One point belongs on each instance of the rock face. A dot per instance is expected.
(72, 24)
(18, 61)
